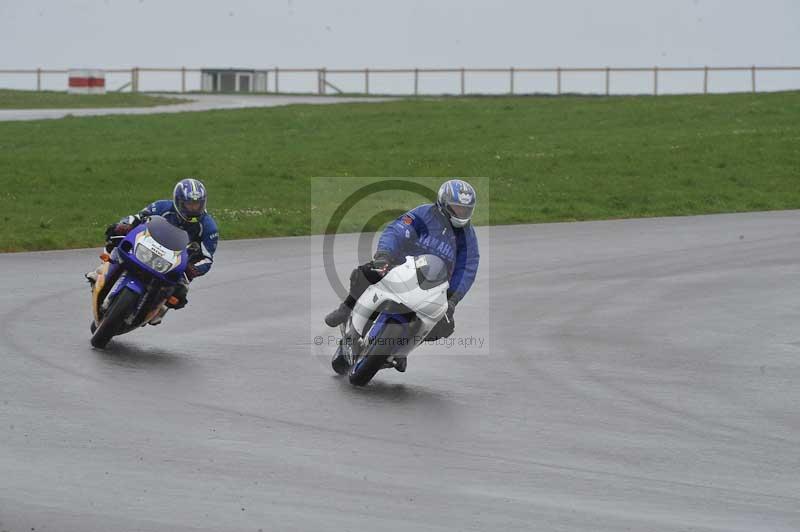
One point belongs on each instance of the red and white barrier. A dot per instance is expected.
(85, 81)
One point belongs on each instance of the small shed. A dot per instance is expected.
(233, 80)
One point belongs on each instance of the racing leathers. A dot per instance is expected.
(423, 230)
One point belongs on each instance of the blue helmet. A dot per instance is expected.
(456, 200)
(189, 199)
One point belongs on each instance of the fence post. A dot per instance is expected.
(39, 79)
(511, 79)
(655, 81)
(558, 81)
(183, 79)
(753, 78)
(320, 83)
(705, 80)
(416, 81)
(366, 81)
(277, 80)
(462, 82)
(608, 80)
(135, 79)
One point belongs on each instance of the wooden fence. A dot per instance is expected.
(506, 78)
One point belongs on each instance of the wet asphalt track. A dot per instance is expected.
(642, 375)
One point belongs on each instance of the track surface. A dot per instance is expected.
(195, 102)
(642, 375)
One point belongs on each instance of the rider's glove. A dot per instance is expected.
(193, 271)
(381, 261)
(123, 227)
(120, 229)
(451, 309)
(115, 233)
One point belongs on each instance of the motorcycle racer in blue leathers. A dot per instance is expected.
(186, 210)
(442, 229)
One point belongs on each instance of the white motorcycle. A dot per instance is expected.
(392, 318)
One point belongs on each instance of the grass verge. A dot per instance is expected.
(550, 159)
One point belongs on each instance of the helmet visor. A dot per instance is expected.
(464, 212)
(194, 207)
(191, 209)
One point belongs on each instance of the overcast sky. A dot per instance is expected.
(398, 33)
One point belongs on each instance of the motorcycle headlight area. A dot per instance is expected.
(146, 255)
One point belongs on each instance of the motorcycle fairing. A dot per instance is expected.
(122, 268)
(396, 296)
(139, 236)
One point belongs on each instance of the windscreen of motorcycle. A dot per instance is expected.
(166, 234)
(431, 271)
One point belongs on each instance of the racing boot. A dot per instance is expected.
(158, 317)
(399, 363)
(339, 362)
(338, 316)
(91, 277)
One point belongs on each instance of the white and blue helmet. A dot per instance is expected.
(456, 199)
(189, 198)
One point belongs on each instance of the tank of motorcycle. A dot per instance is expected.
(401, 285)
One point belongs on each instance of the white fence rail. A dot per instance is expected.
(438, 81)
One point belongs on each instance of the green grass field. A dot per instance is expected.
(549, 159)
(11, 99)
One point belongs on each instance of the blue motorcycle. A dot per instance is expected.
(138, 278)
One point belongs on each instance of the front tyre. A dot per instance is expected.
(111, 323)
(366, 368)
(380, 349)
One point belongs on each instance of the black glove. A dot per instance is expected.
(192, 271)
(123, 227)
(381, 261)
(120, 229)
(115, 233)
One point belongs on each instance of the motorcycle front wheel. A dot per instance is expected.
(111, 323)
(382, 346)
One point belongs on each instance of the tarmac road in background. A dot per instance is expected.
(195, 102)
